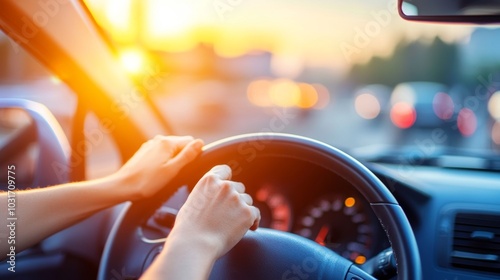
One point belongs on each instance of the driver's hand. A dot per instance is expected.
(217, 213)
(155, 164)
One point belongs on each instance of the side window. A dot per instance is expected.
(22, 76)
(102, 155)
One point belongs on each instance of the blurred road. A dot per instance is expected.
(215, 112)
(217, 115)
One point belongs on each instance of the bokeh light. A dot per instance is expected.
(403, 93)
(403, 115)
(308, 96)
(466, 122)
(258, 93)
(324, 97)
(360, 259)
(287, 93)
(494, 105)
(284, 93)
(443, 106)
(367, 106)
(350, 202)
(495, 132)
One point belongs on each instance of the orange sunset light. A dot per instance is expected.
(327, 34)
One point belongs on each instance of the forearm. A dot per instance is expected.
(43, 212)
(182, 258)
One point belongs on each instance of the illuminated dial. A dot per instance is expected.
(274, 208)
(339, 223)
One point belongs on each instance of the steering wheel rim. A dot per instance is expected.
(240, 151)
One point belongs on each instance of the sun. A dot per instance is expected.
(133, 60)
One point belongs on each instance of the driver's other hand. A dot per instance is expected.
(217, 213)
(155, 164)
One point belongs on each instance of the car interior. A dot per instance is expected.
(367, 133)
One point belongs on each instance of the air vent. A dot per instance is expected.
(476, 242)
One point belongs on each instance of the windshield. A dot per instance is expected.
(349, 73)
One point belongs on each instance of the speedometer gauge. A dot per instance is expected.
(274, 208)
(339, 223)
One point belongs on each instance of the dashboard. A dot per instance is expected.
(313, 202)
(455, 215)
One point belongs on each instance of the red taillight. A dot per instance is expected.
(403, 115)
(466, 122)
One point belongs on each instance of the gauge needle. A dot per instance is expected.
(320, 238)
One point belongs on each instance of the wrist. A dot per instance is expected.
(183, 257)
(198, 242)
(116, 187)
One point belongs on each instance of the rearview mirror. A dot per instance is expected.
(467, 11)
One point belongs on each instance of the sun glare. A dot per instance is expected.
(55, 80)
(133, 60)
(118, 13)
(169, 18)
(173, 26)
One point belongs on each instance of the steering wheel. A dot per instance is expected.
(52, 165)
(265, 253)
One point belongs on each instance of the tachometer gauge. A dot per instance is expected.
(275, 210)
(339, 223)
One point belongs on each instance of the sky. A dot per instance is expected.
(313, 32)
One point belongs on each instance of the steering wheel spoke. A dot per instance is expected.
(382, 266)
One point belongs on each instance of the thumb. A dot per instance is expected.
(187, 154)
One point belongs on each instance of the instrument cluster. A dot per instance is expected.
(328, 211)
